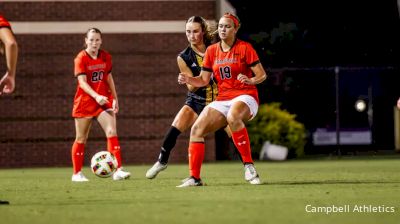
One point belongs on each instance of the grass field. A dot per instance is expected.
(46, 195)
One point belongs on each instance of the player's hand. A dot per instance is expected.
(7, 84)
(244, 79)
(115, 106)
(101, 100)
(183, 78)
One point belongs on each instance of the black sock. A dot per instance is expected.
(168, 144)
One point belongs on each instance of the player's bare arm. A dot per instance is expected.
(199, 81)
(260, 75)
(10, 49)
(100, 99)
(111, 83)
(185, 69)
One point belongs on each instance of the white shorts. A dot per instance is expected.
(225, 106)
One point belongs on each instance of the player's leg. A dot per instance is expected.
(82, 128)
(228, 132)
(209, 121)
(183, 120)
(107, 121)
(240, 112)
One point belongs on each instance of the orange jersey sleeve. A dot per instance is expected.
(4, 22)
(79, 64)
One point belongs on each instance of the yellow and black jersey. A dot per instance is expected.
(198, 99)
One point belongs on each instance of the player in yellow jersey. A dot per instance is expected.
(190, 61)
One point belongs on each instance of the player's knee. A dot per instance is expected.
(232, 120)
(196, 131)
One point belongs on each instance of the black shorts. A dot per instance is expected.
(196, 104)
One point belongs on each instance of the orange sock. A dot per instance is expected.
(196, 157)
(115, 149)
(242, 143)
(77, 154)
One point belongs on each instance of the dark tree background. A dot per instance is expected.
(300, 42)
(322, 33)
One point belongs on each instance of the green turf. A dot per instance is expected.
(48, 196)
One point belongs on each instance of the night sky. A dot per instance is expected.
(300, 42)
(322, 33)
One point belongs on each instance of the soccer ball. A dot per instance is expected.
(103, 164)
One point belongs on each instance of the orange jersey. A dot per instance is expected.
(97, 72)
(226, 66)
(4, 22)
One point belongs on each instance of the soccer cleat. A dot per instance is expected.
(186, 179)
(121, 175)
(79, 177)
(191, 182)
(250, 172)
(255, 181)
(155, 169)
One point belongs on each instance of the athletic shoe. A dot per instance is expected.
(155, 169)
(250, 172)
(255, 181)
(186, 179)
(79, 177)
(120, 174)
(191, 182)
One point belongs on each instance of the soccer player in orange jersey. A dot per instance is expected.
(8, 47)
(236, 67)
(95, 97)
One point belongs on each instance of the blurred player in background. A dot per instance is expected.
(9, 48)
(237, 69)
(199, 35)
(95, 97)
(398, 103)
